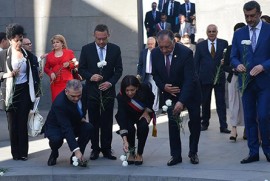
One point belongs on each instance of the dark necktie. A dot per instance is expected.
(213, 51)
(188, 11)
(168, 64)
(171, 9)
(253, 39)
(162, 25)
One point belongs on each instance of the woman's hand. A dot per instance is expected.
(146, 116)
(53, 76)
(65, 64)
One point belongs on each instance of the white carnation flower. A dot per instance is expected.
(164, 108)
(99, 64)
(168, 102)
(75, 159)
(1, 173)
(123, 158)
(246, 42)
(75, 163)
(125, 164)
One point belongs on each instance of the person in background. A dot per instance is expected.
(177, 38)
(163, 24)
(186, 41)
(144, 70)
(265, 18)
(135, 102)
(66, 120)
(255, 62)
(172, 10)
(100, 87)
(19, 80)
(206, 66)
(4, 43)
(235, 102)
(59, 64)
(151, 19)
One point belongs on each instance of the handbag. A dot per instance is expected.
(35, 123)
(35, 120)
(76, 74)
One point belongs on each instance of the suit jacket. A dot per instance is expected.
(176, 8)
(168, 26)
(187, 28)
(111, 72)
(184, 12)
(206, 66)
(142, 64)
(261, 55)
(63, 118)
(182, 73)
(150, 22)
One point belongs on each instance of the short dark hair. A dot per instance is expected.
(14, 29)
(238, 25)
(251, 5)
(164, 33)
(266, 18)
(129, 80)
(3, 36)
(101, 28)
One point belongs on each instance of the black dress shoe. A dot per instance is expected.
(204, 128)
(94, 155)
(52, 159)
(174, 161)
(250, 159)
(109, 155)
(194, 159)
(23, 158)
(225, 130)
(267, 156)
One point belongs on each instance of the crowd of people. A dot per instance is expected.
(179, 72)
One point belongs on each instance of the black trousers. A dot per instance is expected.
(220, 104)
(102, 122)
(142, 133)
(82, 131)
(17, 117)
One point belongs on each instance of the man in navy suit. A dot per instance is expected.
(144, 70)
(100, 87)
(252, 57)
(172, 10)
(188, 10)
(175, 75)
(208, 57)
(151, 19)
(66, 120)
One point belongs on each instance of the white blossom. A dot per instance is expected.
(125, 164)
(75, 159)
(164, 108)
(123, 158)
(75, 163)
(101, 64)
(246, 42)
(225, 49)
(168, 102)
(1, 173)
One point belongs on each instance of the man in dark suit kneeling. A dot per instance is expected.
(66, 119)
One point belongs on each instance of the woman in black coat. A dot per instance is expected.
(135, 102)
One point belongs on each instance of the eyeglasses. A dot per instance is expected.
(28, 44)
(211, 31)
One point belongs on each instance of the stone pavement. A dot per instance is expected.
(219, 159)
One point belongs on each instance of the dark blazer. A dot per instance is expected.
(142, 64)
(126, 113)
(192, 11)
(63, 118)
(206, 66)
(150, 22)
(111, 72)
(182, 72)
(176, 8)
(227, 67)
(260, 56)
